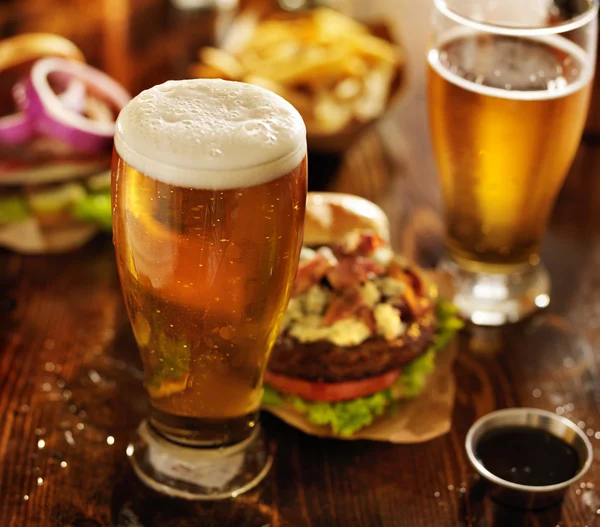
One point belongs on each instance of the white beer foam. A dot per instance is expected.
(584, 78)
(210, 134)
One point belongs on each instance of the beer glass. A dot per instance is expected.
(209, 192)
(509, 87)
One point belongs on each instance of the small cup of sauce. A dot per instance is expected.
(528, 456)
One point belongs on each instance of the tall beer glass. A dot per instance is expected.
(509, 87)
(209, 191)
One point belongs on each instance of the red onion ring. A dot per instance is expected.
(17, 128)
(50, 116)
(73, 96)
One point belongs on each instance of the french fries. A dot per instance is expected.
(329, 66)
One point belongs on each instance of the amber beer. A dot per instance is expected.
(206, 267)
(506, 115)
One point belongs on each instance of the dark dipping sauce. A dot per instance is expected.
(527, 456)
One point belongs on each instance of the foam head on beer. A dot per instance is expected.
(210, 133)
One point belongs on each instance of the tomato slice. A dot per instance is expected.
(331, 391)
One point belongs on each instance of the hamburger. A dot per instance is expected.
(57, 118)
(363, 326)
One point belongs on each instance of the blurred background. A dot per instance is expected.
(144, 42)
(140, 42)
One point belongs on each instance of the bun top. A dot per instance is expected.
(25, 48)
(331, 215)
(210, 134)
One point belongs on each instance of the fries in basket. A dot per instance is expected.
(329, 66)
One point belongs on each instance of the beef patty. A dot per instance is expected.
(324, 361)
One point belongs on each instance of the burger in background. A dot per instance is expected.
(57, 118)
(363, 326)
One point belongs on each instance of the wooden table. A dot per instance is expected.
(71, 396)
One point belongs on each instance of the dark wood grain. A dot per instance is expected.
(69, 370)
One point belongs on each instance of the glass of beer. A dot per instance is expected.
(509, 87)
(209, 191)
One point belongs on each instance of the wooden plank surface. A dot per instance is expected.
(70, 378)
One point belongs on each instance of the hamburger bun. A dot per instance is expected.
(331, 215)
(28, 237)
(17, 50)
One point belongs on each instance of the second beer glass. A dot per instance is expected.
(509, 88)
(209, 191)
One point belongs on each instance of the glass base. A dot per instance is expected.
(496, 299)
(198, 473)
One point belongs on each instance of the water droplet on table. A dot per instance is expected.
(568, 362)
(94, 376)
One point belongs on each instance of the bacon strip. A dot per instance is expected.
(413, 302)
(411, 306)
(369, 241)
(416, 281)
(367, 317)
(343, 306)
(353, 270)
(396, 270)
(311, 272)
(361, 243)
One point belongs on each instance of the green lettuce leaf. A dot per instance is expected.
(94, 208)
(348, 417)
(448, 323)
(344, 418)
(13, 209)
(414, 375)
(271, 397)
